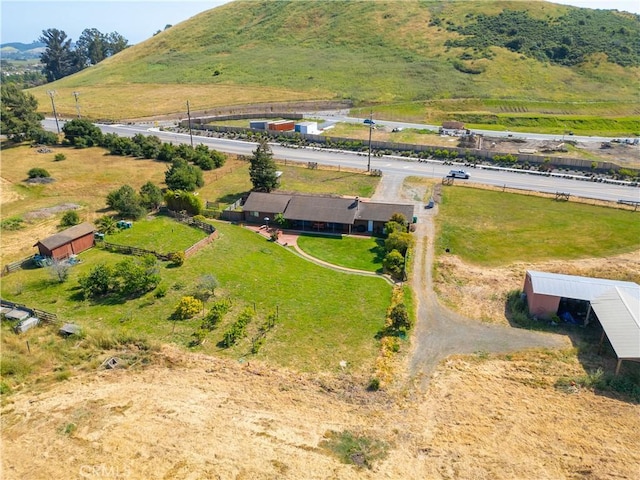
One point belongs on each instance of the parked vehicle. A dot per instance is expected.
(458, 174)
(430, 204)
(368, 121)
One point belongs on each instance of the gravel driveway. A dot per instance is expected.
(439, 332)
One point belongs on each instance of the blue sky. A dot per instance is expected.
(24, 20)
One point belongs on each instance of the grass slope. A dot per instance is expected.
(371, 52)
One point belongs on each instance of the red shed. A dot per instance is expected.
(68, 242)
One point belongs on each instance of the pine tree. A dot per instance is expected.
(263, 169)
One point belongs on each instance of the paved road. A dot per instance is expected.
(394, 166)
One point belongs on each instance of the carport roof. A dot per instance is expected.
(618, 310)
(572, 286)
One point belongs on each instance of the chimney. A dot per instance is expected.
(357, 202)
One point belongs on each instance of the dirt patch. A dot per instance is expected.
(48, 212)
(190, 416)
(480, 292)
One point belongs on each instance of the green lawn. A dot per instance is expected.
(361, 253)
(324, 316)
(152, 234)
(494, 228)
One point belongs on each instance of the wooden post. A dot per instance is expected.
(619, 364)
(28, 347)
(600, 344)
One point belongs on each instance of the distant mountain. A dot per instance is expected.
(21, 51)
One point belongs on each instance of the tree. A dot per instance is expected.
(400, 241)
(187, 308)
(82, 133)
(182, 176)
(116, 43)
(137, 275)
(126, 202)
(150, 196)
(70, 218)
(166, 153)
(58, 58)
(98, 282)
(107, 225)
(59, 271)
(400, 317)
(206, 287)
(37, 172)
(92, 46)
(19, 115)
(149, 145)
(179, 201)
(393, 264)
(263, 169)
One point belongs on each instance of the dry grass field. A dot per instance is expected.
(190, 416)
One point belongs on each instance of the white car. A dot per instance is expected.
(458, 174)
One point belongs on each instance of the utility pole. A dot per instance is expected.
(53, 104)
(76, 95)
(189, 117)
(370, 129)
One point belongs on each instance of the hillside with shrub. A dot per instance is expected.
(370, 53)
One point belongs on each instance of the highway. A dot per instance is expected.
(396, 166)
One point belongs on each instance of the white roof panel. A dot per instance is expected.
(618, 310)
(572, 286)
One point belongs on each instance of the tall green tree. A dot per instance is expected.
(82, 133)
(59, 59)
(150, 196)
(182, 176)
(20, 119)
(126, 202)
(263, 169)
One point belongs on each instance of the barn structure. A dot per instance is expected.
(67, 242)
(615, 304)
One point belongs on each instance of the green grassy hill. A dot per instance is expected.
(381, 53)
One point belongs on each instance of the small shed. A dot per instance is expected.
(68, 242)
(310, 128)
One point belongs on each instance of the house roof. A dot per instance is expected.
(321, 209)
(382, 212)
(66, 236)
(572, 286)
(317, 208)
(266, 202)
(618, 310)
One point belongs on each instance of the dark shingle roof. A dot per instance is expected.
(315, 208)
(382, 212)
(266, 202)
(321, 209)
(68, 235)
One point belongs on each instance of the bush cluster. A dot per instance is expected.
(237, 330)
(131, 277)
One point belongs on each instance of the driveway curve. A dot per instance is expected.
(440, 332)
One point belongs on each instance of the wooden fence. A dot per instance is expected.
(13, 266)
(140, 252)
(184, 218)
(201, 244)
(42, 315)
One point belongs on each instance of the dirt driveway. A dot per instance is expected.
(439, 332)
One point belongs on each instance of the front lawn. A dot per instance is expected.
(360, 253)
